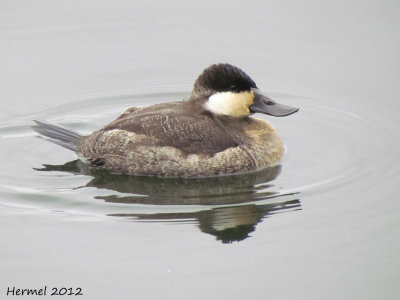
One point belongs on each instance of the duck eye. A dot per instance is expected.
(233, 88)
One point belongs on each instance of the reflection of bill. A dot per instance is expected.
(231, 206)
(231, 224)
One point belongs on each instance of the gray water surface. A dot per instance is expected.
(323, 224)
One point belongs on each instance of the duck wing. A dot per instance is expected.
(175, 124)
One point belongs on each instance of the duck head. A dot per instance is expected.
(226, 90)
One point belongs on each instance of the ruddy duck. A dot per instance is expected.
(210, 134)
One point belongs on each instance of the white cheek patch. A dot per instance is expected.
(230, 104)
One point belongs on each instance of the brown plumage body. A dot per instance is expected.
(171, 139)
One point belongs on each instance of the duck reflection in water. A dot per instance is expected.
(236, 203)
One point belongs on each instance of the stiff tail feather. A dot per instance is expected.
(58, 135)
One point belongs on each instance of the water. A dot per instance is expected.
(322, 225)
